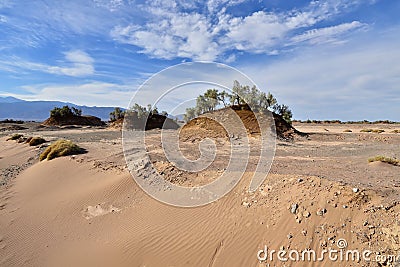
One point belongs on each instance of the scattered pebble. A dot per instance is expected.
(355, 190)
(293, 208)
(321, 212)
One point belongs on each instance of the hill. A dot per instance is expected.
(17, 109)
(202, 126)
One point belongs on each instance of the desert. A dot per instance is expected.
(86, 210)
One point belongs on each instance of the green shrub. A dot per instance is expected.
(61, 148)
(15, 137)
(392, 161)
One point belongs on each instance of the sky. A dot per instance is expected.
(334, 59)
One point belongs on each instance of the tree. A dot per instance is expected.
(63, 112)
(76, 111)
(223, 97)
(116, 114)
(285, 112)
(190, 114)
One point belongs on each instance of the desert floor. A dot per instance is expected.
(86, 210)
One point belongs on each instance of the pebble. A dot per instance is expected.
(321, 212)
(293, 208)
(355, 190)
(345, 206)
(299, 180)
(289, 236)
(306, 214)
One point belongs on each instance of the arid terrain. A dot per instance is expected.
(86, 210)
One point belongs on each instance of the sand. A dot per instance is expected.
(86, 210)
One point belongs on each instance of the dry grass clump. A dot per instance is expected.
(384, 159)
(61, 148)
(396, 131)
(372, 131)
(15, 137)
(348, 131)
(34, 141)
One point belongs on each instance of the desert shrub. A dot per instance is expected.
(372, 131)
(347, 131)
(34, 141)
(392, 161)
(15, 137)
(396, 131)
(61, 148)
(366, 130)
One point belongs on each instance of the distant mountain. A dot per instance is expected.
(10, 99)
(17, 109)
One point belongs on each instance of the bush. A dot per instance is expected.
(34, 141)
(396, 131)
(15, 137)
(61, 148)
(372, 131)
(392, 161)
(348, 131)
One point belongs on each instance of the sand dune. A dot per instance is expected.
(86, 210)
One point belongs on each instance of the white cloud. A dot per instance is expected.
(327, 34)
(356, 81)
(91, 93)
(77, 63)
(174, 32)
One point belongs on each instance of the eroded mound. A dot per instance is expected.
(209, 126)
(74, 120)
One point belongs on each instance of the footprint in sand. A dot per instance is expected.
(98, 210)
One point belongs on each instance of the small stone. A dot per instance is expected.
(304, 232)
(321, 212)
(306, 214)
(345, 206)
(355, 190)
(289, 236)
(246, 204)
(293, 208)
(299, 180)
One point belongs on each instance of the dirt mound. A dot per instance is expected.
(154, 121)
(203, 126)
(74, 120)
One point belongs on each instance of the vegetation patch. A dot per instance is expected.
(384, 159)
(61, 148)
(15, 137)
(372, 131)
(348, 131)
(35, 141)
(396, 131)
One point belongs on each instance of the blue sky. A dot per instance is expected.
(335, 59)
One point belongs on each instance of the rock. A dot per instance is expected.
(293, 208)
(321, 212)
(306, 214)
(246, 204)
(345, 206)
(304, 232)
(355, 190)
(289, 236)
(299, 180)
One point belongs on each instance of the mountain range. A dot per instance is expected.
(18, 109)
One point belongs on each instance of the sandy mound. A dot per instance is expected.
(73, 120)
(154, 121)
(202, 127)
